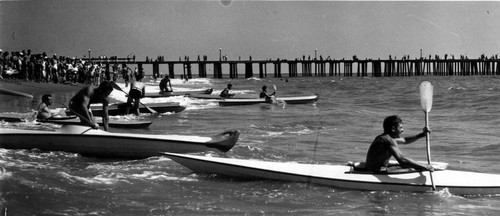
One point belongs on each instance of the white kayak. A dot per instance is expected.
(286, 99)
(103, 144)
(343, 176)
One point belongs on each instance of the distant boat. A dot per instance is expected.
(178, 93)
(287, 100)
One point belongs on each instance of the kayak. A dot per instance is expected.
(64, 120)
(19, 117)
(121, 108)
(178, 93)
(218, 97)
(14, 93)
(111, 122)
(344, 176)
(288, 100)
(103, 144)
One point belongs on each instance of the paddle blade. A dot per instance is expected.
(426, 92)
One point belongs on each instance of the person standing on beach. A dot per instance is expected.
(225, 93)
(137, 91)
(386, 146)
(80, 104)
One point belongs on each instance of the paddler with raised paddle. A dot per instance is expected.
(386, 146)
(80, 104)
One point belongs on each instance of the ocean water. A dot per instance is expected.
(338, 128)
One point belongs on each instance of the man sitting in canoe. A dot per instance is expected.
(80, 103)
(43, 111)
(225, 93)
(164, 86)
(386, 145)
(264, 94)
(137, 91)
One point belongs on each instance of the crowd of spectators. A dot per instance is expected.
(56, 69)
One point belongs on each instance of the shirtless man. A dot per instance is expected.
(80, 103)
(43, 110)
(265, 95)
(225, 93)
(164, 84)
(386, 145)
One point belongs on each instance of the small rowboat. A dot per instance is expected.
(121, 108)
(102, 144)
(178, 93)
(288, 100)
(343, 176)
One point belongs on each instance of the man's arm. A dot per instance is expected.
(411, 139)
(105, 115)
(405, 161)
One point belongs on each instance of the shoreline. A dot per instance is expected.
(37, 88)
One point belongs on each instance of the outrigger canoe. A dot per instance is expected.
(288, 100)
(121, 108)
(178, 93)
(102, 144)
(344, 176)
(64, 120)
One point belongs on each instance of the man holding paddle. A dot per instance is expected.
(386, 145)
(80, 103)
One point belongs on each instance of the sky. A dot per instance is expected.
(243, 28)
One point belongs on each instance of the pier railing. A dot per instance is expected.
(317, 67)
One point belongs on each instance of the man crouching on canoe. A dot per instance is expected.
(80, 104)
(386, 145)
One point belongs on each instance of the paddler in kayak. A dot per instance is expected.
(225, 93)
(43, 111)
(164, 84)
(386, 145)
(137, 91)
(264, 94)
(80, 104)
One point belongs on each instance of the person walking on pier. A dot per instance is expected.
(137, 91)
(225, 93)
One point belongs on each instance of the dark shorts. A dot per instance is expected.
(134, 93)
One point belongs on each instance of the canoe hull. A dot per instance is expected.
(111, 123)
(288, 100)
(121, 109)
(72, 120)
(457, 182)
(178, 93)
(102, 144)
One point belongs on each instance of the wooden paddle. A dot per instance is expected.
(115, 86)
(426, 92)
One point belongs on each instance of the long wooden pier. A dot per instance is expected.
(316, 67)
